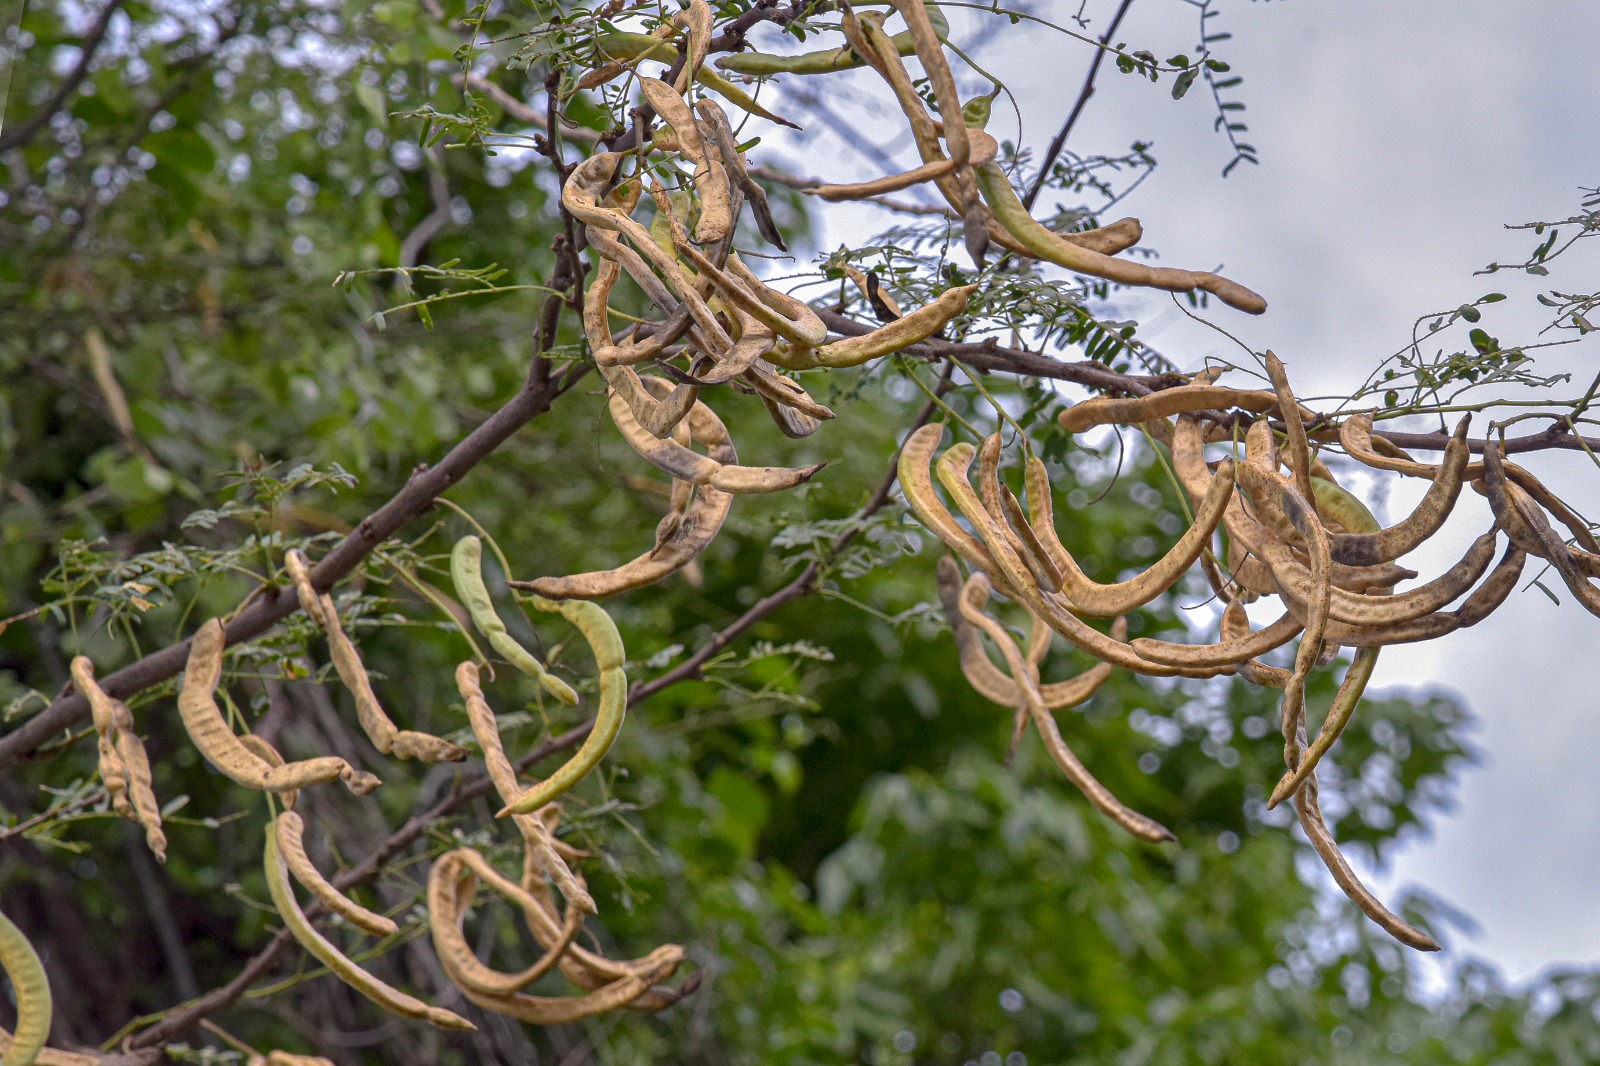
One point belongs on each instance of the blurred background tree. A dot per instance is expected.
(822, 818)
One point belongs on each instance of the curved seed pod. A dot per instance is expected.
(826, 61)
(1576, 525)
(1483, 601)
(538, 838)
(1229, 651)
(977, 591)
(466, 572)
(1355, 434)
(916, 481)
(715, 123)
(32, 989)
(289, 830)
(1024, 543)
(1512, 506)
(380, 729)
(710, 181)
(1041, 243)
(273, 758)
(451, 889)
(323, 950)
(582, 967)
(990, 681)
(887, 339)
(203, 721)
(888, 183)
(1092, 598)
(699, 526)
(294, 561)
(585, 187)
(605, 642)
(1294, 429)
(1327, 849)
(1341, 511)
(1236, 628)
(696, 18)
(792, 409)
(124, 764)
(1185, 399)
(1357, 609)
(1366, 549)
(622, 45)
(952, 467)
(696, 469)
(1339, 714)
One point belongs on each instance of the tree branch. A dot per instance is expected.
(21, 134)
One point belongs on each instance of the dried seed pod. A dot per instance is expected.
(1090, 597)
(694, 468)
(1185, 399)
(379, 727)
(1327, 849)
(1145, 828)
(289, 830)
(989, 680)
(209, 731)
(384, 995)
(1041, 243)
(1529, 527)
(466, 573)
(826, 61)
(294, 561)
(792, 409)
(1339, 714)
(538, 838)
(452, 885)
(893, 337)
(124, 764)
(32, 989)
(710, 180)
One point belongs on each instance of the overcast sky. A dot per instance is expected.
(1395, 140)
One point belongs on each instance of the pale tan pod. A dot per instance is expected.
(294, 561)
(203, 721)
(1070, 765)
(1236, 629)
(290, 830)
(451, 889)
(379, 727)
(273, 758)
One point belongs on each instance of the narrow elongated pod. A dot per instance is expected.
(989, 680)
(124, 764)
(1339, 714)
(1327, 849)
(379, 727)
(1231, 650)
(203, 721)
(715, 123)
(1008, 567)
(1184, 399)
(690, 466)
(1145, 828)
(1517, 513)
(323, 950)
(294, 561)
(1002, 506)
(792, 409)
(1294, 428)
(887, 339)
(1090, 597)
(289, 830)
(466, 573)
(605, 642)
(1386, 545)
(32, 989)
(539, 840)
(1041, 243)
(701, 520)
(825, 61)
(916, 482)
(1483, 601)
(451, 889)
(1362, 610)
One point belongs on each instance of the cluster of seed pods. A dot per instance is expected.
(1292, 533)
(1297, 537)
